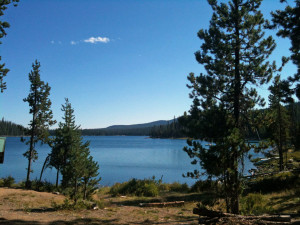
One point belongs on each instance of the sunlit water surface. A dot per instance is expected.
(120, 158)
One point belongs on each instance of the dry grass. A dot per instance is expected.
(20, 207)
(29, 207)
(286, 202)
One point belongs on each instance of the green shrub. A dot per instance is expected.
(71, 205)
(44, 186)
(66, 205)
(101, 204)
(164, 187)
(146, 187)
(83, 204)
(115, 190)
(254, 204)
(8, 181)
(177, 187)
(21, 184)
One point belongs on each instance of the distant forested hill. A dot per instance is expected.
(139, 126)
(130, 130)
(8, 128)
(114, 131)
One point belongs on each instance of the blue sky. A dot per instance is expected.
(118, 62)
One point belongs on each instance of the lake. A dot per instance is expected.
(120, 158)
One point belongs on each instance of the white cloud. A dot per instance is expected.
(94, 40)
(74, 43)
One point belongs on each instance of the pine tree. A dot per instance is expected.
(63, 139)
(233, 53)
(42, 118)
(74, 169)
(71, 157)
(289, 24)
(4, 25)
(278, 117)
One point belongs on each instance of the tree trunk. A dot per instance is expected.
(44, 166)
(57, 175)
(31, 148)
(75, 191)
(84, 190)
(280, 147)
(236, 105)
(28, 183)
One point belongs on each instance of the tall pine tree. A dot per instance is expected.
(42, 117)
(233, 53)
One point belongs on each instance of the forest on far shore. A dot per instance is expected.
(169, 129)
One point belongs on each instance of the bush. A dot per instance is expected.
(8, 181)
(100, 204)
(146, 187)
(116, 188)
(71, 205)
(44, 186)
(254, 204)
(83, 204)
(177, 187)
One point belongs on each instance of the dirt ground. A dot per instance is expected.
(20, 207)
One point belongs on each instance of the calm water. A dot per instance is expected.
(120, 158)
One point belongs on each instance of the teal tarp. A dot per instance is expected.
(2, 148)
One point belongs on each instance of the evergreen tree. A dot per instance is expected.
(74, 169)
(42, 118)
(63, 139)
(278, 117)
(234, 53)
(71, 157)
(4, 25)
(289, 24)
(294, 114)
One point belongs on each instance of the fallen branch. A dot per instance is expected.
(213, 215)
(162, 204)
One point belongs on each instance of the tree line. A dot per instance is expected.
(180, 128)
(8, 128)
(170, 130)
